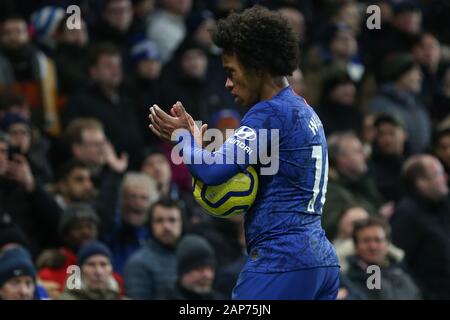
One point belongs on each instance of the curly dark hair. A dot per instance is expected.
(261, 40)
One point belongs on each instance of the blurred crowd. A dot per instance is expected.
(93, 206)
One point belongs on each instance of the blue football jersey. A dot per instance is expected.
(283, 227)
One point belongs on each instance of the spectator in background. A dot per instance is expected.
(428, 54)
(70, 59)
(35, 148)
(105, 100)
(156, 165)
(116, 26)
(13, 237)
(421, 225)
(296, 19)
(44, 22)
(25, 202)
(338, 50)
(337, 109)
(153, 269)
(85, 141)
(341, 48)
(349, 181)
(398, 97)
(79, 225)
(368, 132)
(166, 26)
(188, 82)
(199, 25)
(74, 184)
(371, 238)
(345, 247)
(388, 155)
(97, 281)
(17, 275)
(441, 148)
(227, 237)
(196, 270)
(126, 229)
(396, 36)
(145, 83)
(343, 240)
(26, 70)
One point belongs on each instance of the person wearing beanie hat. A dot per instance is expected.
(91, 249)
(398, 96)
(17, 275)
(19, 130)
(196, 270)
(193, 252)
(11, 118)
(97, 281)
(78, 225)
(145, 80)
(146, 57)
(74, 215)
(45, 21)
(145, 50)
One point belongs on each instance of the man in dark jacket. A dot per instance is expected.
(421, 225)
(349, 181)
(151, 271)
(186, 78)
(398, 96)
(28, 71)
(106, 101)
(196, 270)
(24, 202)
(389, 153)
(371, 237)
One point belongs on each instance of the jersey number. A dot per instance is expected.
(317, 155)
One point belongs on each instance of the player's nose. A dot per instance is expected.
(229, 84)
